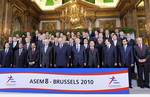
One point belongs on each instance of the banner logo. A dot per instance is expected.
(10, 81)
(114, 82)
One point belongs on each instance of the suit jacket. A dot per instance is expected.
(6, 58)
(118, 45)
(46, 57)
(70, 54)
(20, 61)
(79, 57)
(61, 55)
(126, 57)
(110, 56)
(11, 46)
(92, 58)
(39, 44)
(33, 56)
(16, 47)
(141, 54)
(100, 51)
(25, 47)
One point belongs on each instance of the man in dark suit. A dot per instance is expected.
(10, 41)
(61, 54)
(46, 55)
(27, 45)
(20, 57)
(70, 46)
(117, 43)
(99, 47)
(92, 56)
(109, 54)
(127, 58)
(107, 34)
(6, 57)
(33, 57)
(79, 55)
(132, 42)
(142, 56)
(15, 44)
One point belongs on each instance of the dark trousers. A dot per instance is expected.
(129, 73)
(143, 69)
(60, 66)
(78, 65)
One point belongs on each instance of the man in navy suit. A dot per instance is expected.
(46, 55)
(20, 57)
(127, 58)
(6, 57)
(79, 54)
(141, 54)
(109, 54)
(61, 54)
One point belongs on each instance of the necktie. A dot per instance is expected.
(20, 52)
(6, 51)
(124, 48)
(45, 49)
(92, 49)
(33, 50)
(61, 46)
(78, 48)
(140, 46)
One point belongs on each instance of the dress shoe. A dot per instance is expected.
(130, 87)
(147, 86)
(141, 86)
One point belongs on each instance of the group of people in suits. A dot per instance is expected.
(78, 50)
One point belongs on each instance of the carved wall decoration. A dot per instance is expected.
(141, 25)
(49, 26)
(110, 24)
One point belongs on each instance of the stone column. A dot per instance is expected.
(147, 14)
(135, 21)
(62, 25)
(2, 5)
(132, 20)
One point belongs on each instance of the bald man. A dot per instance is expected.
(141, 56)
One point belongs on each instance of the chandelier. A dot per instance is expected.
(73, 13)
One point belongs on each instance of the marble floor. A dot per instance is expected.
(138, 90)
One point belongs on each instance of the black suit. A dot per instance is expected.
(100, 51)
(27, 47)
(20, 60)
(70, 60)
(117, 45)
(46, 57)
(7, 58)
(142, 66)
(15, 46)
(109, 56)
(33, 56)
(92, 58)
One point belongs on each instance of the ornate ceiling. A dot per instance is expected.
(46, 5)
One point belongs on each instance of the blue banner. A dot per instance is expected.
(65, 81)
